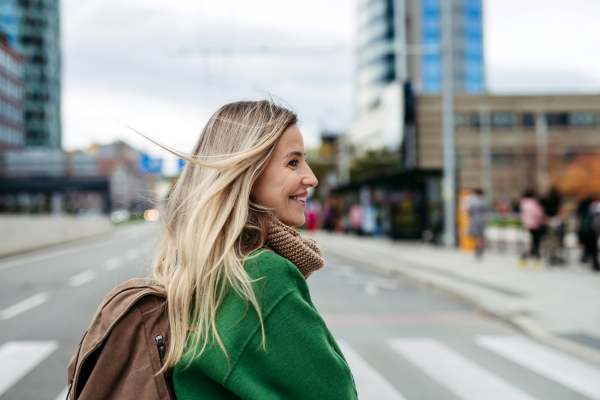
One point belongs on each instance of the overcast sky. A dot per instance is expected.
(140, 61)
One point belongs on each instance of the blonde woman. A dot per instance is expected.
(242, 324)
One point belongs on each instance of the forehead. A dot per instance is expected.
(290, 140)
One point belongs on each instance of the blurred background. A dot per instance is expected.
(456, 142)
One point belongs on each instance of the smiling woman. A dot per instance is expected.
(282, 186)
(229, 242)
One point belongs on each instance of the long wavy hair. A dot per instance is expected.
(210, 223)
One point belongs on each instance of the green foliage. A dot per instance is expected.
(374, 163)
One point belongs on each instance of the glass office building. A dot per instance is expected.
(33, 29)
(386, 26)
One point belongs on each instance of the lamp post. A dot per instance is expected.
(449, 174)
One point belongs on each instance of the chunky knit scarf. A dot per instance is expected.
(305, 253)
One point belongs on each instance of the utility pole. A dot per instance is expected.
(486, 152)
(449, 175)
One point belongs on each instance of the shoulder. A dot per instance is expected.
(274, 276)
(265, 263)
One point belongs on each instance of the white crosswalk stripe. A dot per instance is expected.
(454, 372)
(18, 358)
(369, 383)
(559, 367)
(464, 378)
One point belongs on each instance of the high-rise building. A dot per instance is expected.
(401, 39)
(11, 97)
(34, 31)
(10, 21)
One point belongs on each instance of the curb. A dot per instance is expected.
(526, 325)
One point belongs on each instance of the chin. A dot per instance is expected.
(295, 221)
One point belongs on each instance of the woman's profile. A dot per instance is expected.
(242, 324)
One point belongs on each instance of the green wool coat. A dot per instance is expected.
(301, 361)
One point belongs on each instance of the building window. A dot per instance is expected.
(502, 120)
(528, 120)
(459, 120)
(503, 159)
(583, 119)
(557, 119)
(474, 121)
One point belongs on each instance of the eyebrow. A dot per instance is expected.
(295, 153)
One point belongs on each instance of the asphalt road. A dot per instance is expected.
(401, 342)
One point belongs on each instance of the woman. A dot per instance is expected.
(477, 214)
(532, 218)
(242, 324)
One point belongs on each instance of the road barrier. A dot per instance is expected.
(21, 233)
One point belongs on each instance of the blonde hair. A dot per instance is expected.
(210, 223)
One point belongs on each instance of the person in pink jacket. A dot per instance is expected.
(532, 218)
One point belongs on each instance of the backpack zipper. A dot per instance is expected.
(162, 348)
(160, 344)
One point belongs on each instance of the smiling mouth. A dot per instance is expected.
(300, 199)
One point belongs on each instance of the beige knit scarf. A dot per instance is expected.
(305, 253)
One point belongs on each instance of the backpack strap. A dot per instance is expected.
(76, 360)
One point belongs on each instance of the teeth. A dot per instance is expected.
(298, 198)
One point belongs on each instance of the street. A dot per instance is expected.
(401, 342)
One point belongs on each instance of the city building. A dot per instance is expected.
(399, 40)
(531, 138)
(38, 43)
(11, 97)
(102, 178)
(10, 21)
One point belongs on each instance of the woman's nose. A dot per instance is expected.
(310, 180)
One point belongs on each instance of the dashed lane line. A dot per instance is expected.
(18, 358)
(24, 305)
(31, 259)
(113, 263)
(82, 278)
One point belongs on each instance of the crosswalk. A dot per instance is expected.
(459, 375)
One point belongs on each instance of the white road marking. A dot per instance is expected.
(82, 278)
(26, 260)
(465, 379)
(575, 374)
(63, 394)
(369, 383)
(373, 285)
(371, 290)
(113, 263)
(24, 305)
(131, 254)
(18, 358)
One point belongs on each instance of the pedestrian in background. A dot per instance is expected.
(356, 217)
(552, 204)
(532, 218)
(242, 324)
(589, 229)
(477, 209)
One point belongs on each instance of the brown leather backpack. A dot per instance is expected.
(122, 351)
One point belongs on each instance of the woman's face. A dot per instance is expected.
(283, 184)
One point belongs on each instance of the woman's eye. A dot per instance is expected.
(293, 163)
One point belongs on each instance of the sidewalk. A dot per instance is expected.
(558, 306)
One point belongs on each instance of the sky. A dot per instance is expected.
(145, 62)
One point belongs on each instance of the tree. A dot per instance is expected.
(581, 178)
